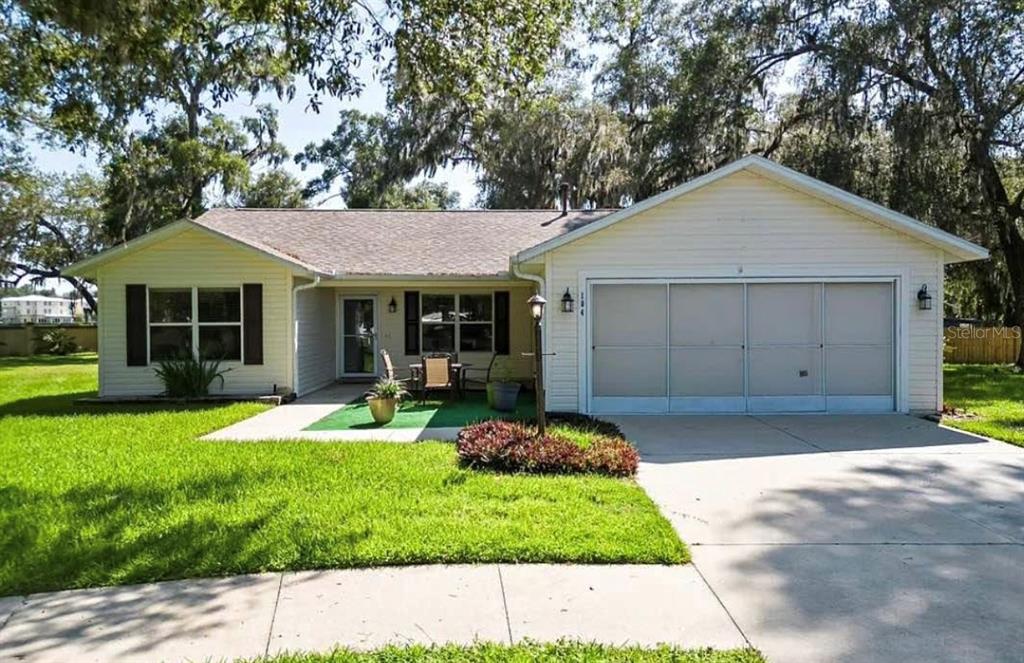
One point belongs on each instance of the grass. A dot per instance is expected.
(994, 393)
(525, 653)
(450, 413)
(113, 494)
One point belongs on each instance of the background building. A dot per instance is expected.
(36, 309)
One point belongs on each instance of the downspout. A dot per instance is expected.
(295, 329)
(541, 289)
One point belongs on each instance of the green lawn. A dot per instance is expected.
(994, 393)
(429, 414)
(113, 494)
(525, 653)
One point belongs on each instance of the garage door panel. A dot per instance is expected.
(706, 371)
(784, 313)
(630, 372)
(630, 315)
(858, 313)
(706, 314)
(785, 371)
(859, 371)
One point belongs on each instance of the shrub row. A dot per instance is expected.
(513, 447)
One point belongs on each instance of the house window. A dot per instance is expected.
(170, 323)
(465, 322)
(207, 321)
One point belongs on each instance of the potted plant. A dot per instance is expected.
(502, 391)
(383, 399)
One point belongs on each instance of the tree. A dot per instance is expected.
(141, 82)
(155, 179)
(55, 221)
(22, 290)
(526, 148)
(423, 195)
(949, 71)
(274, 188)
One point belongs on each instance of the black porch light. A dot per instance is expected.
(392, 305)
(568, 303)
(924, 300)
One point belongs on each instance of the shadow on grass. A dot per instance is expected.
(81, 359)
(105, 533)
(65, 404)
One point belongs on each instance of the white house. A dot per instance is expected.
(36, 309)
(751, 289)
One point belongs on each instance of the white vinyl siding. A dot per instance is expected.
(746, 226)
(193, 258)
(315, 358)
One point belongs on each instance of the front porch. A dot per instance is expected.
(341, 329)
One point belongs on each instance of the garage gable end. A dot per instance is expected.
(955, 249)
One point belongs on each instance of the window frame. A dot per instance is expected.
(194, 323)
(457, 322)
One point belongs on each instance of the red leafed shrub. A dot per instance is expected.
(611, 455)
(513, 447)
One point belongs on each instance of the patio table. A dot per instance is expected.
(458, 374)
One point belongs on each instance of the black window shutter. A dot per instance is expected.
(412, 322)
(135, 320)
(252, 325)
(501, 322)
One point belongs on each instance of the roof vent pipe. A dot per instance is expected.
(563, 196)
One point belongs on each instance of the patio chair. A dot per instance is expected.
(436, 374)
(468, 372)
(389, 368)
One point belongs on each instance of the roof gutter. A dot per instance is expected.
(541, 287)
(536, 278)
(295, 329)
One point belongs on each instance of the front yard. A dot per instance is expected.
(993, 394)
(101, 495)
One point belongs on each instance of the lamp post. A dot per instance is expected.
(537, 313)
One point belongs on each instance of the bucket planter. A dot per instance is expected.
(502, 396)
(383, 399)
(382, 409)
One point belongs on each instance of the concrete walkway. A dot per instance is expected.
(250, 616)
(287, 422)
(848, 538)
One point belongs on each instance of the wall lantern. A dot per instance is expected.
(537, 307)
(392, 305)
(567, 302)
(924, 300)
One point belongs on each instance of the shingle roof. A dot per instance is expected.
(396, 242)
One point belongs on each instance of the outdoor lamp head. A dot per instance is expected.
(537, 306)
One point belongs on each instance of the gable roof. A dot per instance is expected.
(397, 242)
(959, 249)
(383, 243)
(473, 243)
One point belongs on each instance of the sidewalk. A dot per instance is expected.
(248, 616)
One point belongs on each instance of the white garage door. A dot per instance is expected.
(739, 347)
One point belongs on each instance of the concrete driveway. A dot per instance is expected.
(848, 538)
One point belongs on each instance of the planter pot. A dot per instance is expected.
(502, 396)
(382, 409)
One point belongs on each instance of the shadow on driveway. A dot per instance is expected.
(848, 538)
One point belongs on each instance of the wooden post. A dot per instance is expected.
(538, 357)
